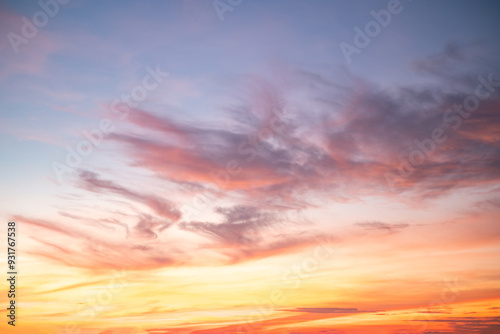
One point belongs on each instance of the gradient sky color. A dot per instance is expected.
(174, 172)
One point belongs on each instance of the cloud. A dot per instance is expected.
(379, 226)
(79, 246)
(248, 232)
(274, 153)
(245, 233)
(72, 286)
(163, 207)
(242, 225)
(31, 57)
(324, 310)
(146, 226)
(353, 136)
(479, 325)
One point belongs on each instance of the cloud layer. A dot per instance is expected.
(274, 156)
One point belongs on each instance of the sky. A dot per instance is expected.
(251, 166)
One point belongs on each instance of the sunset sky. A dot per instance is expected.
(251, 166)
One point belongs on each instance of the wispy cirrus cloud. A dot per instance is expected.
(248, 232)
(163, 207)
(353, 135)
(325, 310)
(80, 246)
(272, 156)
(379, 226)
